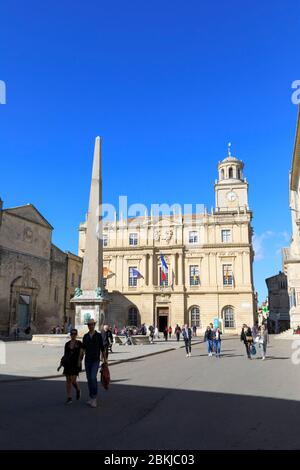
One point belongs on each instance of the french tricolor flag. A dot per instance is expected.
(164, 268)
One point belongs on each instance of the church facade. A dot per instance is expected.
(209, 258)
(37, 279)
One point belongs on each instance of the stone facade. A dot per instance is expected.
(291, 254)
(33, 273)
(209, 258)
(73, 280)
(279, 317)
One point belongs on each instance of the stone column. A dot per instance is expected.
(144, 270)
(172, 273)
(150, 270)
(180, 269)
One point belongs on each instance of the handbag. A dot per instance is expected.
(249, 339)
(105, 375)
(253, 350)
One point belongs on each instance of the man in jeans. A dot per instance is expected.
(93, 347)
(187, 336)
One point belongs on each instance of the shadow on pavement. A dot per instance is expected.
(33, 416)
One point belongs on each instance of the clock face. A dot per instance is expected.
(231, 196)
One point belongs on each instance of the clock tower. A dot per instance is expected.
(231, 188)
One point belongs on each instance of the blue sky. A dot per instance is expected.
(166, 84)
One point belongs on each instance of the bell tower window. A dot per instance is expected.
(230, 173)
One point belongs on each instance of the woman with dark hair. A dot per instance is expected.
(247, 338)
(71, 363)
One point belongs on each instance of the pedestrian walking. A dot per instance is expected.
(187, 337)
(255, 330)
(156, 333)
(217, 341)
(17, 333)
(151, 333)
(107, 339)
(69, 328)
(71, 361)
(177, 332)
(93, 347)
(208, 338)
(58, 330)
(262, 340)
(170, 331)
(166, 331)
(195, 330)
(116, 331)
(247, 338)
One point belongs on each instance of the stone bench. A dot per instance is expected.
(51, 339)
(140, 339)
(119, 339)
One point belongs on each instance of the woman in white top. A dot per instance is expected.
(262, 340)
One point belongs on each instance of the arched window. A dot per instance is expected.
(239, 173)
(222, 176)
(230, 173)
(133, 316)
(228, 317)
(195, 316)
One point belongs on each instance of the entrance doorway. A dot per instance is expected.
(162, 318)
(23, 311)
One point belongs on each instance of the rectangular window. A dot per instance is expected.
(193, 237)
(194, 276)
(226, 236)
(292, 296)
(105, 239)
(195, 317)
(133, 239)
(227, 275)
(72, 279)
(229, 318)
(132, 280)
(162, 282)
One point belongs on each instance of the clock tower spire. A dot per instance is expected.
(231, 188)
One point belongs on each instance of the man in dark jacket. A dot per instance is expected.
(107, 339)
(208, 338)
(187, 337)
(93, 347)
(177, 332)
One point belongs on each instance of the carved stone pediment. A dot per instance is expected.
(26, 280)
(163, 234)
(163, 298)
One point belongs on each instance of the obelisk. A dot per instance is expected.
(92, 270)
(91, 298)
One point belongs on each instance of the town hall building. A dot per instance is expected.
(209, 259)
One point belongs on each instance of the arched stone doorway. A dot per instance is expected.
(23, 302)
